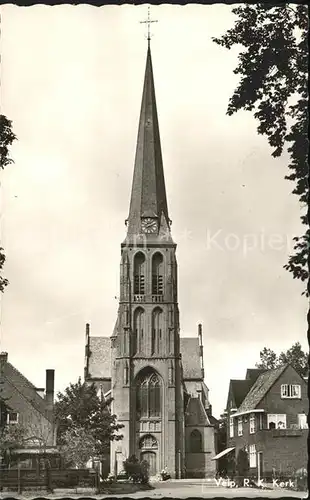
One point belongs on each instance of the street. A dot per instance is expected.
(174, 489)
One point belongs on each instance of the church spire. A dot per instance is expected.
(148, 195)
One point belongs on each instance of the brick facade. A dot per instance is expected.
(283, 450)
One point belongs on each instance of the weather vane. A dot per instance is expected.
(148, 21)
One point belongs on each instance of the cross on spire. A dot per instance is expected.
(148, 21)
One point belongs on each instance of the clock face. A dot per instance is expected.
(149, 225)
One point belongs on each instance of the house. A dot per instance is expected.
(267, 416)
(30, 407)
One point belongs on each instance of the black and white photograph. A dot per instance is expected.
(154, 250)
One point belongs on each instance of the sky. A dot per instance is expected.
(71, 82)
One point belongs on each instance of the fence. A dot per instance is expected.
(21, 479)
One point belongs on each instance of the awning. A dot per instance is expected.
(224, 452)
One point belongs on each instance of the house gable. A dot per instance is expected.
(35, 413)
(238, 389)
(16, 383)
(272, 401)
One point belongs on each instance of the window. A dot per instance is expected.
(139, 274)
(252, 455)
(157, 328)
(157, 274)
(149, 396)
(276, 421)
(252, 423)
(154, 397)
(231, 427)
(260, 420)
(239, 426)
(12, 417)
(290, 391)
(302, 421)
(195, 441)
(148, 441)
(138, 330)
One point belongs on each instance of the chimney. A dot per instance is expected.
(201, 350)
(49, 390)
(3, 357)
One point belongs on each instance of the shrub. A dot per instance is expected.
(137, 471)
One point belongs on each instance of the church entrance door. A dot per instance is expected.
(150, 457)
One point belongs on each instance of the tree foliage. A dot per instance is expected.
(268, 359)
(11, 438)
(7, 137)
(273, 69)
(79, 407)
(295, 356)
(78, 446)
(3, 281)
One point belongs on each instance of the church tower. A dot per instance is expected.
(146, 378)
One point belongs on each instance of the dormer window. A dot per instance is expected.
(290, 391)
(12, 417)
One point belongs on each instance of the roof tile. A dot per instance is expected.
(195, 413)
(262, 385)
(189, 347)
(100, 357)
(13, 378)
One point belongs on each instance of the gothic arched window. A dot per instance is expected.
(138, 330)
(195, 441)
(154, 396)
(139, 274)
(149, 396)
(157, 274)
(157, 330)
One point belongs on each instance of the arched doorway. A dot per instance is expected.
(149, 446)
(150, 457)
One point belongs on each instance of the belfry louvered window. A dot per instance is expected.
(139, 274)
(157, 275)
(148, 396)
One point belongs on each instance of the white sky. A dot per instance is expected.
(72, 81)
